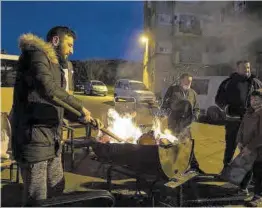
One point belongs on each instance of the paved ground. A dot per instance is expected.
(89, 174)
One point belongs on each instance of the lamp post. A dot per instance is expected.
(144, 39)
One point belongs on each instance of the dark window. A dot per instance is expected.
(200, 86)
(189, 24)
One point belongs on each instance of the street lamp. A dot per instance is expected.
(143, 39)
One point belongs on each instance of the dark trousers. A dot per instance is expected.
(257, 177)
(232, 128)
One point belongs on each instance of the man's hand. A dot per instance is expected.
(86, 118)
(97, 123)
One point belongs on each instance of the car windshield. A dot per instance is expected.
(137, 86)
(98, 83)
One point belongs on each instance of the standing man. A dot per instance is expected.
(173, 103)
(233, 96)
(37, 118)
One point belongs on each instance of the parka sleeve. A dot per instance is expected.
(46, 84)
(221, 96)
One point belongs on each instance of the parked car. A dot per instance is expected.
(95, 87)
(134, 89)
(206, 87)
(79, 87)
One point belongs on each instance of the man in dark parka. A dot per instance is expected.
(37, 119)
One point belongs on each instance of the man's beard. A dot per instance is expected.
(63, 61)
(186, 87)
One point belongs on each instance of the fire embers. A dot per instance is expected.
(127, 129)
(145, 139)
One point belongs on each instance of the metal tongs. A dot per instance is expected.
(93, 122)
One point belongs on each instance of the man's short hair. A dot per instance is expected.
(185, 75)
(242, 62)
(60, 31)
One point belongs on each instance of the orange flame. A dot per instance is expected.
(128, 130)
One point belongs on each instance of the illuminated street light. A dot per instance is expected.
(144, 39)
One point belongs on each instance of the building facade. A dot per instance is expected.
(196, 37)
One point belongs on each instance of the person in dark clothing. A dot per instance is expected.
(249, 139)
(36, 118)
(174, 103)
(233, 96)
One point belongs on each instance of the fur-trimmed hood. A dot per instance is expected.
(30, 42)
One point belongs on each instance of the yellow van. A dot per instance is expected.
(8, 74)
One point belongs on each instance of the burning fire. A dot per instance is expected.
(127, 129)
(167, 133)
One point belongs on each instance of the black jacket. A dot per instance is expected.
(37, 119)
(234, 93)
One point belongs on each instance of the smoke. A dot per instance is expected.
(237, 32)
(131, 67)
(130, 70)
(227, 35)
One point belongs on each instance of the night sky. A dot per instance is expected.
(105, 30)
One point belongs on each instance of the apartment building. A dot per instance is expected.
(196, 37)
